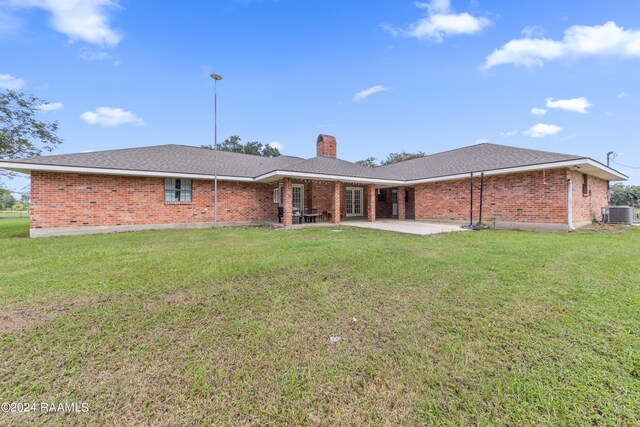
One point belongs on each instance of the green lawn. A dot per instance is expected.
(14, 214)
(233, 327)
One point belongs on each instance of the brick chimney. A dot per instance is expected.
(326, 146)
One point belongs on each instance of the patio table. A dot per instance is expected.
(312, 217)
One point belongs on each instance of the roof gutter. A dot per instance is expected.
(327, 177)
(28, 167)
(564, 164)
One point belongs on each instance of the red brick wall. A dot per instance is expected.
(527, 197)
(326, 146)
(587, 208)
(318, 195)
(410, 205)
(322, 197)
(384, 209)
(76, 200)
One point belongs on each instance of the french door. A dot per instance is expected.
(354, 201)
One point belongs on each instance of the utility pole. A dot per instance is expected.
(215, 78)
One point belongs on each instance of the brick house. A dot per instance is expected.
(172, 186)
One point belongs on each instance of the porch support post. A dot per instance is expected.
(402, 208)
(371, 202)
(287, 202)
(335, 202)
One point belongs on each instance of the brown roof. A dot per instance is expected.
(169, 158)
(475, 158)
(184, 159)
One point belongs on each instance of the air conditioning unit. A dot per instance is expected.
(620, 215)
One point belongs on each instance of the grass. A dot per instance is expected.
(14, 214)
(233, 327)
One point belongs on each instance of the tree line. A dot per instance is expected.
(234, 144)
(620, 194)
(8, 202)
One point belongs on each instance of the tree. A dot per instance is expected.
(6, 199)
(22, 133)
(391, 158)
(401, 157)
(235, 145)
(369, 162)
(619, 196)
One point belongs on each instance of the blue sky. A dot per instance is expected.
(382, 76)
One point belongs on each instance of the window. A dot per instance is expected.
(297, 195)
(177, 190)
(297, 202)
(585, 185)
(382, 195)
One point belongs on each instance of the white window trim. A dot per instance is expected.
(181, 190)
(359, 189)
(281, 198)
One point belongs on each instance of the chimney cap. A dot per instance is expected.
(326, 146)
(326, 138)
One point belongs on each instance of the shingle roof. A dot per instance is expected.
(200, 161)
(475, 158)
(331, 166)
(169, 158)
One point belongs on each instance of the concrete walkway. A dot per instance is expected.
(408, 226)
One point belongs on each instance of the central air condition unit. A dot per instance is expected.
(620, 215)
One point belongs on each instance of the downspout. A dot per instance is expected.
(570, 205)
(471, 198)
(481, 191)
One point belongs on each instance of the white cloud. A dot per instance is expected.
(52, 106)
(538, 111)
(440, 22)
(107, 116)
(85, 20)
(622, 95)
(541, 130)
(578, 41)
(533, 31)
(368, 92)
(509, 134)
(482, 141)
(92, 55)
(577, 105)
(277, 145)
(7, 81)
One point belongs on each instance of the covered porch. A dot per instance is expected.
(301, 201)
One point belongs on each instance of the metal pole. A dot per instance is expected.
(215, 77)
(609, 154)
(481, 193)
(215, 154)
(471, 202)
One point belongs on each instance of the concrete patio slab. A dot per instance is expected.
(408, 226)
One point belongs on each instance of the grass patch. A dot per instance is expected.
(14, 214)
(232, 326)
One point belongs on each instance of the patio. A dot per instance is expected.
(408, 226)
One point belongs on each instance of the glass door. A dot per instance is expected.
(354, 201)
